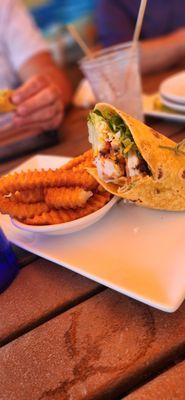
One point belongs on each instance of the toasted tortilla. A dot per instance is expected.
(6, 104)
(165, 188)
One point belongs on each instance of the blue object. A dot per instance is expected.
(54, 12)
(8, 263)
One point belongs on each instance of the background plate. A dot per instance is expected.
(173, 105)
(173, 87)
(150, 110)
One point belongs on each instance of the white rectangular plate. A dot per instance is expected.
(150, 110)
(136, 251)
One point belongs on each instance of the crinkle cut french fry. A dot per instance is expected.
(21, 210)
(82, 166)
(28, 196)
(40, 179)
(66, 197)
(85, 157)
(60, 216)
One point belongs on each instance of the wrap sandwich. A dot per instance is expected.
(135, 162)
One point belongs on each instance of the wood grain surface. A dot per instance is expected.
(169, 385)
(98, 349)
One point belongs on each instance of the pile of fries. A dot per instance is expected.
(52, 196)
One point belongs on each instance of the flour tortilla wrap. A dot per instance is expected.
(164, 186)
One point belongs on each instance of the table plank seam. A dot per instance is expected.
(157, 368)
(175, 134)
(23, 257)
(168, 385)
(25, 262)
(59, 310)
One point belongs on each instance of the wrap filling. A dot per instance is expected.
(115, 152)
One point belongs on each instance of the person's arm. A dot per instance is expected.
(44, 90)
(42, 97)
(163, 52)
(114, 25)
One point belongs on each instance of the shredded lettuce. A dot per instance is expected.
(116, 124)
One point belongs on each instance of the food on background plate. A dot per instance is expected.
(158, 105)
(135, 162)
(6, 104)
(52, 196)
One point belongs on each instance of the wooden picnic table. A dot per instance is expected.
(64, 337)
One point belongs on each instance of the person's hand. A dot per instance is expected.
(179, 38)
(39, 104)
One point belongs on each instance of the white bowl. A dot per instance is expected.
(67, 227)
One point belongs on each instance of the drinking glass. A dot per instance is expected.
(8, 263)
(114, 76)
